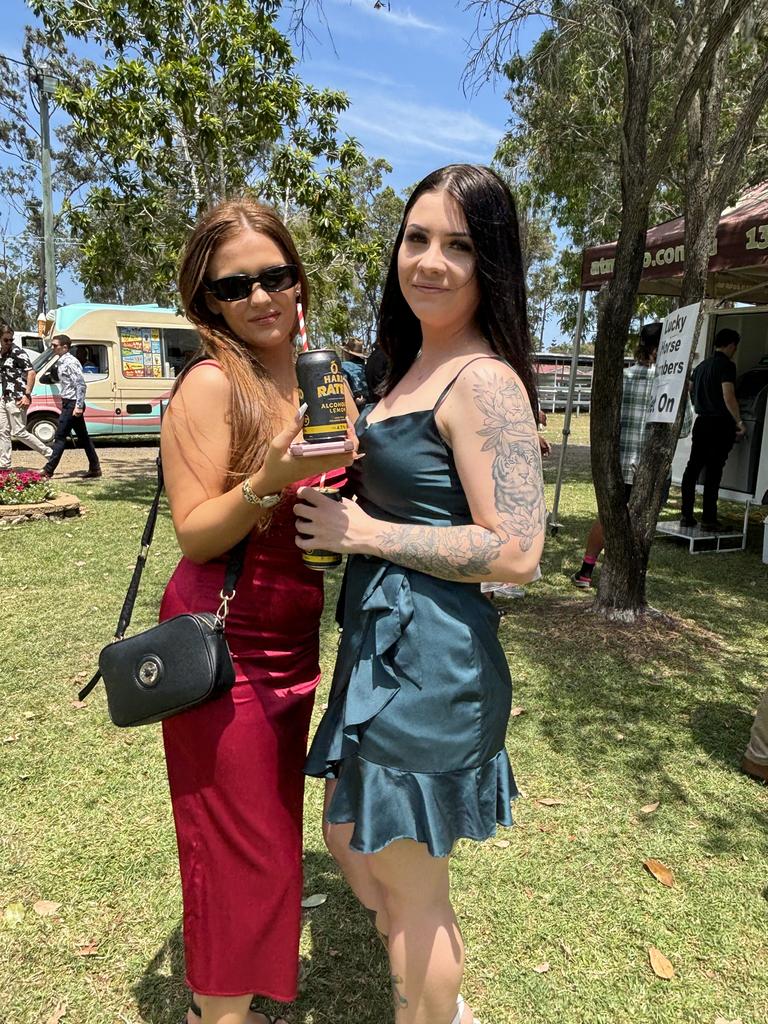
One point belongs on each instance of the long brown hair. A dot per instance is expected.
(255, 397)
(502, 316)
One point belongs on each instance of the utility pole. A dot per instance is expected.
(46, 86)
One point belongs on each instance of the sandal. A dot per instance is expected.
(253, 1008)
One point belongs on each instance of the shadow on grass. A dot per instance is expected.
(345, 974)
(648, 699)
(161, 995)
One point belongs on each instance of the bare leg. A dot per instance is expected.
(355, 867)
(595, 540)
(426, 951)
(229, 1010)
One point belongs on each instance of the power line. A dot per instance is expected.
(32, 67)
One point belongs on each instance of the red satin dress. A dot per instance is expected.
(235, 769)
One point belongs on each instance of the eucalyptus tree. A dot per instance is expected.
(194, 101)
(621, 113)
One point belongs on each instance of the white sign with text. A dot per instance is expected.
(671, 363)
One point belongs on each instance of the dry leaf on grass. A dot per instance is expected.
(59, 1011)
(30, 715)
(649, 808)
(517, 711)
(79, 704)
(14, 913)
(722, 1020)
(660, 872)
(87, 949)
(662, 968)
(317, 900)
(500, 844)
(541, 968)
(549, 801)
(46, 908)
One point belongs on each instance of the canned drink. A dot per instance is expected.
(321, 386)
(322, 560)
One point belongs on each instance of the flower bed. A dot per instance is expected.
(24, 487)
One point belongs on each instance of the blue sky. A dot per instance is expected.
(402, 70)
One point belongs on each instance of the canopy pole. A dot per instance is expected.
(552, 522)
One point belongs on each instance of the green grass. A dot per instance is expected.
(579, 428)
(614, 718)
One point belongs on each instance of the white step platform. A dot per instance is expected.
(702, 541)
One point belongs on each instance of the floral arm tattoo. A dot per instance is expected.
(459, 552)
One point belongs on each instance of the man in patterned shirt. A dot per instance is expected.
(638, 381)
(17, 378)
(72, 392)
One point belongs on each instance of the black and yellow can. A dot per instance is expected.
(322, 560)
(321, 386)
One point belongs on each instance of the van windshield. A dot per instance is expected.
(42, 359)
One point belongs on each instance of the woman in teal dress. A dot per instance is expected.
(449, 494)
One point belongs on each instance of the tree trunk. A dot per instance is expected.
(622, 582)
(705, 197)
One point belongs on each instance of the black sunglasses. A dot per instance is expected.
(240, 286)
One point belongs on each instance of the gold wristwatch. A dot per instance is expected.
(262, 500)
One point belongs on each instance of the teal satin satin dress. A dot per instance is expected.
(421, 693)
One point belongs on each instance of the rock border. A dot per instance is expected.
(63, 505)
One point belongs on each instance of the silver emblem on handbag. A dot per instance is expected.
(149, 672)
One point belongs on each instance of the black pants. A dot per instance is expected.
(68, 421)
(711, 441)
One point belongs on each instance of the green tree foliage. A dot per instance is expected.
(639, 87)
(346, 290)
(196, 100)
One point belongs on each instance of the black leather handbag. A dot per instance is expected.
(175, 665)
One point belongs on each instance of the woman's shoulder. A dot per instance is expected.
(206, 376)
(486, 370)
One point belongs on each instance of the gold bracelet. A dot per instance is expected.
(263, 501)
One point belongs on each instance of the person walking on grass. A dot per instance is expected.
(718, 426)
(72, 415)
(17, 378)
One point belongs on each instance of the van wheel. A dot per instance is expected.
(43, 427)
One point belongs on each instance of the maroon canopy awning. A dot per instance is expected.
(738, 267)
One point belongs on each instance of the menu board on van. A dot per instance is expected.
(140, 351)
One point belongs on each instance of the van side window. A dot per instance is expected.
(179, 345)
(93, 357)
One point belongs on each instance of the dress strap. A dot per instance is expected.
(447, 389)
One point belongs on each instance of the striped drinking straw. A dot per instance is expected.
(302, 327)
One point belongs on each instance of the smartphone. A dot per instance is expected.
(304, 448)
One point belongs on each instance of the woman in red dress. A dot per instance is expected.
(235, 763)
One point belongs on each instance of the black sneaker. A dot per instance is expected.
(92, 474)
(714, 527)
(688, 521)
(582, 582)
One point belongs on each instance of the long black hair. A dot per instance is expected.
(502, 317)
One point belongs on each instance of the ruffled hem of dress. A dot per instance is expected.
(386, 804)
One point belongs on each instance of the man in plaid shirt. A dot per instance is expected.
(638, 381)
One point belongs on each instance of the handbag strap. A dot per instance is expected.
(234, 568)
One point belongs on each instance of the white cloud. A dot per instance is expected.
(343, 71)
(403, 19)
(415, 127)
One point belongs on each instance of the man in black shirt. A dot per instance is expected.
(718, 424)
